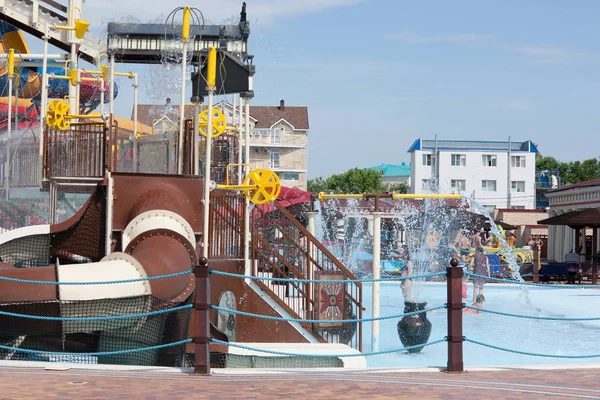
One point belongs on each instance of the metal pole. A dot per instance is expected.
(202, 318)
(508, 172)
(102, 90)
(211, 81)
(248, 268)
(78, 91)
(8, 135)
(239, 160)
(135, 122)
(312, 217)
(455, 315)
(44, 100)
(182, 111)
(207, 175)
(111, 89)
(376, 275)
(196, 140)
(109, 214)
(74, 106)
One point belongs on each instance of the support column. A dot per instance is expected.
(202, 318)
(310, 270)
(376, 275)
(455, 316)
(594, 255)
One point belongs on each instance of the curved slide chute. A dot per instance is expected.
(157, 240)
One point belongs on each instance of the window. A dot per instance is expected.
(458, 185)
(428, 160)
(275, 158)
(517, 186)
(275, 135)
(517, 161)
(490, 209)
(458, 160)
(290, 176)
(426, 185)
(488, 160)
(488, 186)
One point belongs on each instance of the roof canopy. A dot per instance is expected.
(576, 219)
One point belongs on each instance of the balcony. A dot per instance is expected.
(276, 138)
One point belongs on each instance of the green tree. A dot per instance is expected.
(354, 181)
(570, 172)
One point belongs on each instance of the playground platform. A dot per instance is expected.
(575, 381)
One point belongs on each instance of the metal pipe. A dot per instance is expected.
(212, 66)
(30, 56)
(78, 91)
(8, 134)
(111, 88)
(196, 140)
(312, 217)
(376, 285)
(508, 173)
(43, 102)
(109, 213)
(247, 265)
(135, 122)
(239, 160)
(102, 90)
(182, 110)
(323, 196)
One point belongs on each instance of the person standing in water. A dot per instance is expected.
(480, 265)
(478, 302)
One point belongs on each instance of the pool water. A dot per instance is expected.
(536, 336)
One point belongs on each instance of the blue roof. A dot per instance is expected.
(473, 145)
(392, 169)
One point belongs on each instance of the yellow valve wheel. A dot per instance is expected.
(219, 123)
(263, 186)
(56, 114)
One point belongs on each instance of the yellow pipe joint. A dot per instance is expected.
(211, 76)
(11, 63)
(185, 30)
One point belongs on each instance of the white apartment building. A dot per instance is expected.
(497, 174)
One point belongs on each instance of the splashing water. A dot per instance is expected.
(423, 233)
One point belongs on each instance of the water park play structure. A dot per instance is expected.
(181, 253)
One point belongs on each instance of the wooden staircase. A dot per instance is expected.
(281, 247)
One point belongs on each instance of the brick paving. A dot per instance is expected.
(31, 383)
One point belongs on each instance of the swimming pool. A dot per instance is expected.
(537, 336)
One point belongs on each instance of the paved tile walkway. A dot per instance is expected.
(20, 383)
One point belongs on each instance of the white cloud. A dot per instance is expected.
(265, 11)
(413, 38)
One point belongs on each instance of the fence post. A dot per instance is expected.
(202, 318)
(455, 306)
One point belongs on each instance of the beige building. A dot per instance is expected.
(278, 135)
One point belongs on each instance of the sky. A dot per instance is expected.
(378, 74)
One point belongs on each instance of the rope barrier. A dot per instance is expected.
(265, 278)
(100, 353)
(282, 353)
(314, 321)
(106, 318)
(527, 353)
(150, 278)
(531, 316)
(541, 285)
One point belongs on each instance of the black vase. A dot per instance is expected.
(415, 329)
